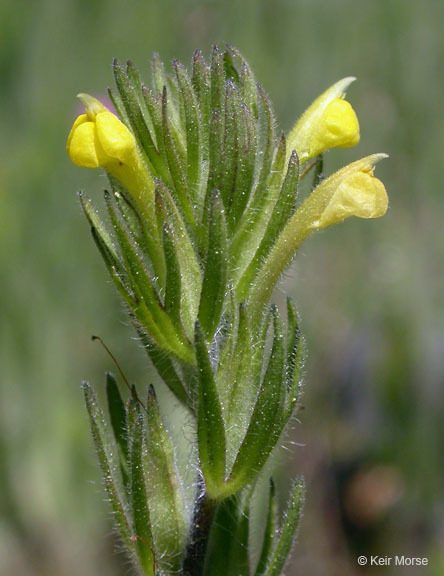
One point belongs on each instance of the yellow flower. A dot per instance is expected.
(330, 122)
(99, 139)
(361, 194)
(352, 191)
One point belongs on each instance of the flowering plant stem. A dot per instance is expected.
(202, 219)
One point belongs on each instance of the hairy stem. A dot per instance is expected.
(195, 553)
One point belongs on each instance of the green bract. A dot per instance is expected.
(202, 221)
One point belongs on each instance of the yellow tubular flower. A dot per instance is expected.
(330, 122)
(352, 191)
(99, 139)
(361, 195)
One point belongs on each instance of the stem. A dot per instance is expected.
(195, 553)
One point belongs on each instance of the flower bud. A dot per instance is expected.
(330, 122)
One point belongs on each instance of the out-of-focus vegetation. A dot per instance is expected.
(371, 294)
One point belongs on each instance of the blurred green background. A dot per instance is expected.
(371, 294)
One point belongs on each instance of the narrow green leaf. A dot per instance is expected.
(166, 369)
(176, 166)
(217, 80)
(288, 529)
(247, 145)
(190, 273)
(119, 107)
(242, 351)
(230, 68)
(106, 248)
(295, 360)
(117, 413)
(139, 230)
(269, 532)
(247, 83)
(216, 133)
(173, 283)
(159, 324)
(226, 355)
(230, 155)
(120, 280)
(95, 222)
(201, 84)
(201, 78)
(195, 164)
(136, 83)
(127, 208)
(158, 70)
(210, 425)
(236, 385)
(267, 135)
(318, 173)
(239, 375)
(104, 453)
(216, 120)
(251, 226)
(214, 286)
(138, 497)
(161, 81)
(135, 116)
(153, 103)
(263, 430)
(164, 490)
(282, 212)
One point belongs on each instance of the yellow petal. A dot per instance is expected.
(338, 127)
(82, 145)
(79, 120)
(116, 140)
(305, 135)
(361, 195)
